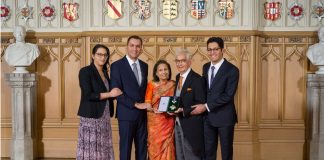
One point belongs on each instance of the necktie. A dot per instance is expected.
(180, 83)
(212, 76)
(136, 72)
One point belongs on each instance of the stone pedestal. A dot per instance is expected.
(23, 103)
(315, 116)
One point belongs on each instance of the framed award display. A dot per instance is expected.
(168, 104)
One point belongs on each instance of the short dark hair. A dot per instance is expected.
(134, 37)
(217, 40)
(155, 77)
(94, 51)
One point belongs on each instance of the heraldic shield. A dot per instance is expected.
(272, 10)
(170, 9)
(226, 9)
(114, 9)
(142, 9)
(318, 11)
(5, 12)
(26, 12)
(198, 9)
(71, 11)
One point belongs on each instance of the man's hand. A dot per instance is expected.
(198, 109)
(179, 110)
(156, 111)
(141, 105)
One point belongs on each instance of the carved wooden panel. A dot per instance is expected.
(295, 64)
(58, 68)
(270, 93)
(270, 99)
(5, 68)
(48, 85)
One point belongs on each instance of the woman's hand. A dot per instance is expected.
(156, 111)
(115, 92)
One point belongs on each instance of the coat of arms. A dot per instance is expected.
(5, 12)
(318, 11)
(26, 12)
(198, 9)
(114, 9)
(71, 11)
(226, 8)
(296, 11)
(272, 10)
(170, 9)
(48, 12)
(142, 9)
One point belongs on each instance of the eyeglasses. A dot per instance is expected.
(213, 49)
(102, 55)
(178, 61)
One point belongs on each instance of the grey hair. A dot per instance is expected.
(183, 51)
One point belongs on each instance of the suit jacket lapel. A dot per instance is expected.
(128, 69)
(206, 69)
(219, 73)
(177, 81)
(186, 83)
(98, 77)
(142, 71)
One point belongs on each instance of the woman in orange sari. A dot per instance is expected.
(160, 126)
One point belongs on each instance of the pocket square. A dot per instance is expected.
(189, 89)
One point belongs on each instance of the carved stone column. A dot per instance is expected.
(23, 103)
(315, 107)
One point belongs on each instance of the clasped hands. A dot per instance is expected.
(198, 109)
(115, 92)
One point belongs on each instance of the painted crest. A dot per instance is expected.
(5, 12)
(198, 9)
(170, 9)
(114, 9)
(48, 12)
(26, 12)
(226, 9)
(296, 11)
(71, 11)
(272, 10)
(143, 9)
(318, 11)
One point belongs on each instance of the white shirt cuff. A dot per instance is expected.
(207, 107)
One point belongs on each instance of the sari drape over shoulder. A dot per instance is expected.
(160, 126)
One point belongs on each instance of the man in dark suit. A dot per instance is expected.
(189, 135)
(129, 74)
(222, 79)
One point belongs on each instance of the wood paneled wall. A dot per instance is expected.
(270, 101)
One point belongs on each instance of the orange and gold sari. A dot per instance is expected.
(160, 126)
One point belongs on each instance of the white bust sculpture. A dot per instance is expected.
(315, 52)
(21, 54)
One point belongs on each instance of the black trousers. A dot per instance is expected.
(226, 135)
(130, 131)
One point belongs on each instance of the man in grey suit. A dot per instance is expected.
(191, 90)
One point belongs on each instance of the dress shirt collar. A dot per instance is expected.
(186, 73)
(217, 65)
(130, 61)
